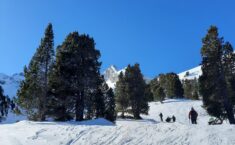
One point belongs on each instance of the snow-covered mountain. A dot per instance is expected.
(10, 84)
(191, 74)
(111, 75)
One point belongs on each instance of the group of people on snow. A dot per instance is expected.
(192, 116)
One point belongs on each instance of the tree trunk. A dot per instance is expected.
(79, 106)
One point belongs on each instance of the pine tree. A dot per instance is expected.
(76, 76)
(148, 93)
(121, 96)
(136, 91)
(110, 112)
(33, 93)
(174, 88)
(213, 85)
(228, 63)
(2, 97)
(191, 89)
(159, 94)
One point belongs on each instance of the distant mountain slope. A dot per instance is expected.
(10, 84)
(192, 73)
(111, 75)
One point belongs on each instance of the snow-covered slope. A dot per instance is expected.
(10, 84)
(111, 75)
(192, 73)
(148, 131)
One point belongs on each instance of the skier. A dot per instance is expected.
(193, 116)
(161, 116)
(173, 118)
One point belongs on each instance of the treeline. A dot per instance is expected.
(170, 86)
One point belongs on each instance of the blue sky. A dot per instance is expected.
(161, 35)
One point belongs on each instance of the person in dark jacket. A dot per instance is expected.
(173, 118)
(161, 117)
(193, 116)
(168, 119)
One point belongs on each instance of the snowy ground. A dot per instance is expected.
(148, 131)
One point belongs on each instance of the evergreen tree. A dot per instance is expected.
(228, 63)
(174, 88)
(76, 76)
(159, 94)
(148, 93)
(2, 97)
(136, 91)
(191, 89)
(33, 93)
(122, 99)
(110, 112)
(213, 85)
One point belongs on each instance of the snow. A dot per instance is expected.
(10, 84)
(193, 73)
(126, 131)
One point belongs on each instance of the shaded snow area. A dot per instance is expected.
(149, 131)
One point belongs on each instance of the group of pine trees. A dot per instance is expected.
(166, 86)
(66, 85)
(217, 83)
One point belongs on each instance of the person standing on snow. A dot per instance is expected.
(193, 116)
(161, 117)
(173, 118)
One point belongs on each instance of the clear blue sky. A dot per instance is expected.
(161, 35)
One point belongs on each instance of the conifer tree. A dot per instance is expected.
(76, 76)
(159, 94)
(174, 88)
(136, 91)
(110, 112)
(191, 89)
(33, 93)
(122, 99)
(213, 85)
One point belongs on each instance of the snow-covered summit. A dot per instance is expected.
(10, 84)
(111, 75)
(191, 74)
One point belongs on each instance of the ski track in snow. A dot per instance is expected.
(148, 131)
